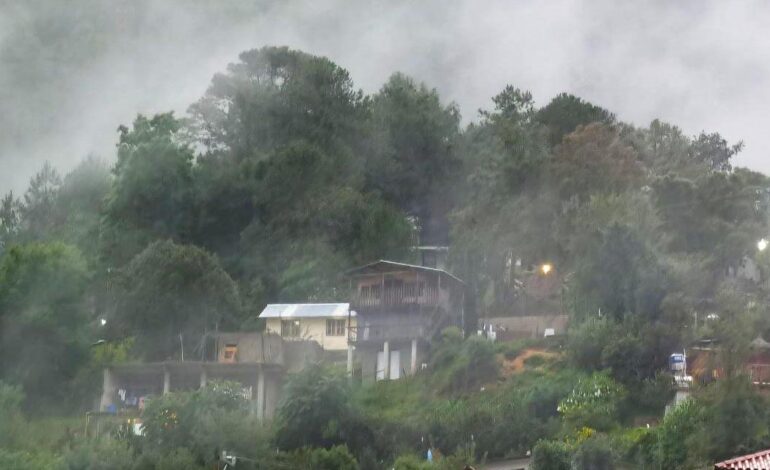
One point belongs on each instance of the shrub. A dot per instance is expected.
(594, 454)
(535, 361)
(462, 369)
(587, 340)
(10, 460)
(551, 455)
(679, 425)
(11, 419)
(411, 462)
(335, 458)
(593, 402)
(316, 411)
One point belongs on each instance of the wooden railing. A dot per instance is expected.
(397, 296)
(386, 332)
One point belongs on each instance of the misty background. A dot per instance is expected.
(71, 72)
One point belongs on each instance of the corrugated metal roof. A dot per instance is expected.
(306, 311)
(397, 265)
(757, 461)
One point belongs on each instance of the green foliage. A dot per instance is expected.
(551, 455)
(203, 422)
(465, 368)
(11, 420)
(335, 458)
(170, 290)
(586, 342)
(735, 419)
(411, 462)
(286, 174)
(22, 460)
(151, 196)
(566, 112)
(42, 318)
(315, 411)
(414, 158)
(593, 402)
(594, 160)
(594, 453)
(676, 433)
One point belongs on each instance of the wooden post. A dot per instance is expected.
(350, 362)
(414, 356)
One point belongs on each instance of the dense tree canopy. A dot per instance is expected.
(284, 174)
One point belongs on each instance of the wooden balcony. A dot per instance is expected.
(402, 297)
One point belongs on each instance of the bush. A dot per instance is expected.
(679, 426)
(336, 458)
(512, 349)
(316, 411)
(586, 341)
(204, 422)
(551, 455)
(10, 460)
(593, 403)
(465, 368)
(411, 462)
(11, 419)
(99, 455)
(534, 361)
(594, 453)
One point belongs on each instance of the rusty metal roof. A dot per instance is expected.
(756, 461)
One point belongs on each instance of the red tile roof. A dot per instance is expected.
(757, 461)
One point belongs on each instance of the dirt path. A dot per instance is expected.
(516, 365)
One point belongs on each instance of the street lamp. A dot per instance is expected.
(762, 244)
(546, 268)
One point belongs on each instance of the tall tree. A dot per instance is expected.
(39, 210)
(43, 318)
(151, 197)
(169, 296)
(274, 96)
(566, 112)
(414, 162)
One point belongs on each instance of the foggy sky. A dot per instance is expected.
(71, 72)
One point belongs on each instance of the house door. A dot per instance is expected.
(380, 370)
(395, 365)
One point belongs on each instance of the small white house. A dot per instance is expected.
(328, 324)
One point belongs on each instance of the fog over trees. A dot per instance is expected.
(284, 173)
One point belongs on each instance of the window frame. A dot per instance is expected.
(335, 327)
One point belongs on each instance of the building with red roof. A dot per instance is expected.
(756, 461)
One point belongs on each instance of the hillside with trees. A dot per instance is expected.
(284, 174)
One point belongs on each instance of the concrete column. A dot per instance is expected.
(166, 381)
(350, 361)
(386, 351)
(204, 378)
(261, 395)
(108, 390)
(414, 356)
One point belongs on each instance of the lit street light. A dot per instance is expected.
(546, 268)
(762, 244)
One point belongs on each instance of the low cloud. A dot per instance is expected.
(71, 72)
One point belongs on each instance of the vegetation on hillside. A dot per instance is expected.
(284, 174)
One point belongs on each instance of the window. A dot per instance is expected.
(231, 351)
(290, 328)
(335, 327)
